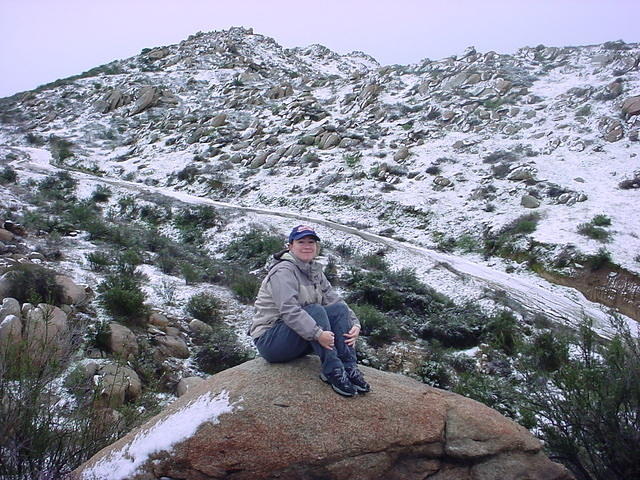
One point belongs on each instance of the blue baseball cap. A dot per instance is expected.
(302, 231)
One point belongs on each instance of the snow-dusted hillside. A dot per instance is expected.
(441, 154)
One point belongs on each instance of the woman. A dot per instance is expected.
(299, 312)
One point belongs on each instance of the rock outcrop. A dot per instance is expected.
(280, 421)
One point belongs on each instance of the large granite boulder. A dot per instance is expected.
(261, 420)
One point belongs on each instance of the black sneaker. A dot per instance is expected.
(339, 382)
(357, 379)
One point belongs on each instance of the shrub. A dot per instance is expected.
(245, 286)
(221, 350)
(33, 283)
(601, 220)
(252, 249)
(205, 307)
(376, 326)
(59, 186)
(101, 194)
(593, 424)
(123, 298)
(453, 326)
(548, 352)
(8, 175)
(374, 261)
(40, 436)
(502, 333)
(591, 231)
(193, 222)
(499, 393)
(599, 259)
(467, 243)
(60, 148)
(98, 261)
(524, 224)
(190, 273)
(352, 160)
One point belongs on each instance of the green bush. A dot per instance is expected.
(252, 249)
(59, 186)
(548, 352)
(435, 373)
(194, 221)
(601, 221)
(503, 333)
(376, 326)
(592, 231)
(246, 286)
(99, 261)
(221, 350)
(499, 393)
(467, 243)
(31, 283)
(101, 194)
(205, 307)
(453, 326)
(123, 298)
(588, 409)
(8, 175)
(60, 148)
(190, 273)
(374, 261)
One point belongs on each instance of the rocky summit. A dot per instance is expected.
(260, 420)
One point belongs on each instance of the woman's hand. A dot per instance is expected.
(326, 340)
(352, 336)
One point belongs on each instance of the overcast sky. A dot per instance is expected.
(44, 40)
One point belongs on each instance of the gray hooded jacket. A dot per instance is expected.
(289, 286)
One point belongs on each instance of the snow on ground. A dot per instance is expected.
(453, 273)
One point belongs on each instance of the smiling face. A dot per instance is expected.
(305, 248)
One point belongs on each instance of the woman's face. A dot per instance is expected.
(305, 248)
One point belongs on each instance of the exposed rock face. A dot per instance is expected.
(281, 421)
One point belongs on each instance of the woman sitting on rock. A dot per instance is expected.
(299, 312)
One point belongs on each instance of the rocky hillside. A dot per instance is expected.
(447, 154)
(461, 202)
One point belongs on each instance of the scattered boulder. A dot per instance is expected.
(122, 341)
(172, 346)
(262, 420)
(147, 97)
(10, 331)
(10, 306)
(219, 120)
(5, 235)
(116, 385)
(72, 294)
(159, 320)
(111, 101)
(198, 327)
(529, 201)
(631, 106)
(442, 182)
(185, 384)
(401, 154)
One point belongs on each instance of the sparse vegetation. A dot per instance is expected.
(122, 297)
(253, 248)
(221, 350)
(8, 175)
(205, 307)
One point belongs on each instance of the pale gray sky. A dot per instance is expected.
(44, 40)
